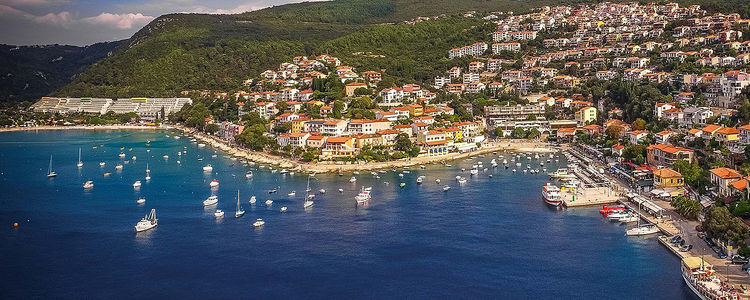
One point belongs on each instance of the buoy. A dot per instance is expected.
(15, 225)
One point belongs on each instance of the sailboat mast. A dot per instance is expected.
(50, 164)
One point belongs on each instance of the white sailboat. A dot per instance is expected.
(80, 163)
(308, 200)
(50, 173)
(148, 173)
(642, 230)
(147, 222)
(240, 212)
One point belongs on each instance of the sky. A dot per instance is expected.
(84, 22)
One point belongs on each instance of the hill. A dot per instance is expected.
(29, 72)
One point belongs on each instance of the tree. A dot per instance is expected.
(614, 132)
(211, 128)
(694, 175)
(533, 133)
(403, 143)
(283, 127)
(639, 124)
(686, 207)
(518, 133)
(499, 132)
(635, 153)
(720, 224)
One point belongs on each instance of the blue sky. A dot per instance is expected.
(83, 22)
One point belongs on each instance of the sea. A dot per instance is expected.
(490, 238)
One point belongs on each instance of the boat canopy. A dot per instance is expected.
(694, 262)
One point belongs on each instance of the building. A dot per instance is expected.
(666, 177)
(340, 146)
(499, 113)
(351, 87)
(667, 155)
(585, 115)
(721, 178)
(368, 126)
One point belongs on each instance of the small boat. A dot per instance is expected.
(122, 154)
(474, 172)
(400, 175)
(363, 197)
(514, 170)
(107, 174)
(462, 180)
(353, 179)
(219, 213)
(259, 223)
(355, 172)
(422, 166)
(201, 145)
(271, 191)
(617, 215)
(214, 183)
(419, 180)
(249, 174)
(458, 177)
(166, 156)
(208, 168)
(133, 158)
(252, 200)
(642, 230)
(269, 202)
(437, 181)
(137, 184)
(283, 171)
(341, 190)
(629, 219)
(101, 164)
(147, 222)
(200, 158)
(322, 191)
(214, 156)
(88, 185)
(50, 173)
(239, 212)
(80, 163)
(213, 199)
(402, 184)
(140, 200)
(446, 188)
(283, 209)
(292, 194)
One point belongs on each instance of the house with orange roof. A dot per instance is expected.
(416, 110)
(721, 178)
(388, 115)
(297, 139)
(659, 108)
(315, 141)
(666, 155)
(727, 135)
(585, 115)
(637, 136)
(333, 127)
(352, 86)
(666, 177)
(357, 126)
(404, 128)
(663, 136)
(389, 136)
(709, 131)
(372, 140)
(744, 137)
(338, 146)
(617, 149)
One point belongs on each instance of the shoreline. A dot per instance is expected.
(84, 127)
(340, 167)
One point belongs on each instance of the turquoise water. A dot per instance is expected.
(491, 238)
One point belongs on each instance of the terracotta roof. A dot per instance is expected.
(338, 139)
(666, 172)
(739, 184)
(711, 128)
(726, 173)
(728, 130)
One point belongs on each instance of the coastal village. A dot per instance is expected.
(671, 128)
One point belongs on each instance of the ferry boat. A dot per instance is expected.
(551, 194)
(363, 197)
(699, 277)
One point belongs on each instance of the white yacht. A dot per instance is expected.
(341, 190)
(292, 194)
(137, 184)
(308, 198)
(166, 156)
(629, 219)
(213, 199)
(80, 163)
(133, 158)
(88, 185)
(219, 213)
(239, 212)
(148, 222)
(363, 197)
(283, 209)
(50, 173)
(643, 230)
(252, 200)
(259, 223)
(322, 191)
(140, 200)
(208, 168)
(201, 145)
(269, 202)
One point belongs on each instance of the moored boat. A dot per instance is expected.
(700, 278)
(551, 194)
(147, 222)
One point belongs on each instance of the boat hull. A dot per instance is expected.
(692, 288)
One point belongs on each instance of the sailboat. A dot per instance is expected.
(50, 173)
(147, 222)
(80, 163)
(148, 173)
(239, 211)
(642, 230)
(308, 200)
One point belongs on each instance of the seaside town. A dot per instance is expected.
(649, 102)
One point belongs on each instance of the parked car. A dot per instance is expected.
(701, 234)
(739, 260)
(722, 255)
(686, 248)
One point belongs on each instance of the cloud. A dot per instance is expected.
(120, 21)
(236, 10)
(63, 18)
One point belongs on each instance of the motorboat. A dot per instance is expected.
(140, 200)
(322, 191)
(462, 180)
(259, 223)
(446, 188)
(355, 172)
(208, 168)
(213, 199)
(402, 184)
(201, 145)
(249, 174)
(353, 179)
(419, 180)
(219, 213)
(271, 191)
(551, 194)
(214, 183)
(474, 172)
(283, 209)
(363, 197)
(122, 155)
(88, 185)
(107, 174)
(118, 167)
(166, 156)
(101, 164)
(617, 215)
(137, 184)
(252, 200)
(642, 230)
(269, 202)
(292, 194)
(148, 222)
(341, 190)
(133, 158)
(630, 218)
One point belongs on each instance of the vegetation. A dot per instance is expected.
(720, 224)
(686, 207)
